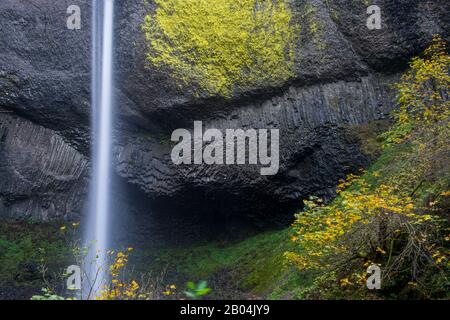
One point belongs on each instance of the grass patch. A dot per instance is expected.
(26, 245)
(255, 265)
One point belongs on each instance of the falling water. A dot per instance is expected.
(102, 104)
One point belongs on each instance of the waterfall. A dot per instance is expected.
(97, 238)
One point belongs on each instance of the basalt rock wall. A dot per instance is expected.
(342, 77)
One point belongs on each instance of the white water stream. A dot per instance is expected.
(102, 103)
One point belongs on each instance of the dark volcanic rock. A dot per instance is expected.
(316, 148)
(44, 67)
(343, 71)
(42, 177)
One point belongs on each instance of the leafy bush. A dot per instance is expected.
(118, 287)
(368, 226)
(24, 247)
(396, 217)
(423, 95)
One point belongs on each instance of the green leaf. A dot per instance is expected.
(191, 285)
(203, 291)
(190, 294)
(202, 285)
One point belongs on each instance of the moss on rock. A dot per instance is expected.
(218, 45)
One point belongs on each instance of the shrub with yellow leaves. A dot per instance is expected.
(422, 94)
(326, 233)
(366, 225)
(120, 289)
(397, 218)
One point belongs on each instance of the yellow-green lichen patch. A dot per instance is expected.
(218, 45)
(315, 26)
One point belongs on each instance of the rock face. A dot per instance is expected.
(43, 177)
(342, 76)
